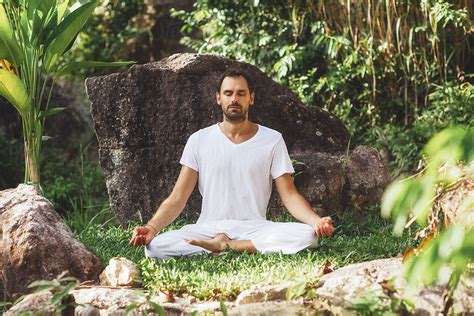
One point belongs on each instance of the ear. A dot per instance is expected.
(218, 98)
(252, 98)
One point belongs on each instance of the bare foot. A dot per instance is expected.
(216, 244)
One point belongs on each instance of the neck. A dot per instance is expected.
(237, 128)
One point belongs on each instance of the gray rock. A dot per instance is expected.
(321, 178)
(367, 177)
(35, 302)
(86, 310)
(114, 301)
(262, 293)
(343, 286)
(37, 244)
(143, 117)
(283, 308)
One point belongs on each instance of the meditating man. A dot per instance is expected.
(233, 162)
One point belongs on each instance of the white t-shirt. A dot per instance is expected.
(235, 180)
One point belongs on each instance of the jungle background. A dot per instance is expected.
(395, 72)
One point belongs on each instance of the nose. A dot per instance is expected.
(235, 98)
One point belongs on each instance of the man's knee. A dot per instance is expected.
(169, 245)
(159, 247)
(288, 238)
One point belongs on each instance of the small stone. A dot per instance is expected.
(120, 272)
(263, 293)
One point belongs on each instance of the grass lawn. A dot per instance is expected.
(357, 238)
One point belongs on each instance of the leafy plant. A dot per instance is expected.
(375, 303)
(61, 288)
(107, 33)
(453, 247)
(144, 306)
(35, 36)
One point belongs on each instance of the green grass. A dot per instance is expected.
(225, 276)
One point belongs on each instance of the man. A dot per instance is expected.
(233, 163)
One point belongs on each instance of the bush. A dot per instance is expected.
(390, 81)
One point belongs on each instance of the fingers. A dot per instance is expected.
(139, 237)
(324, 228)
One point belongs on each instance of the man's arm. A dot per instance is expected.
(169, 210)
(300, 208)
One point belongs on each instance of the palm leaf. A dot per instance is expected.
(13, 89)
(90, 64)
(9, 48)
(66, 32)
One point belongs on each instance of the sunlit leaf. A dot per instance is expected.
(9, 48)
(445, 147)
(296, 290)
(13, 89)
(61, 10)
(392, 195)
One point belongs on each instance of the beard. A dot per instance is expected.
(235, 114)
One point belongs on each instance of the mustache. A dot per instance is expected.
(234, 104)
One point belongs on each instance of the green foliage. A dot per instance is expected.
(145, 306)
(376, 303)
(225, 276)
(453, 248)
(36, 34)
(105, 36)
(387, 69)
(61, 288)
(297, 290)
(76, 187)
(450, 104)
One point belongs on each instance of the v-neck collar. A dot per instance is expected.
(220, 131)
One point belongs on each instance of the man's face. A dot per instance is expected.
(235, 98)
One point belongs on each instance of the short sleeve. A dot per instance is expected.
(281, 162)
(189, 157)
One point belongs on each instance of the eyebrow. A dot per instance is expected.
(230, 90)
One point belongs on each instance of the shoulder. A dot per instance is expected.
(269, 133)
(203, 132)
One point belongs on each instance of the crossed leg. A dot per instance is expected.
(251, 237)
(222, 242)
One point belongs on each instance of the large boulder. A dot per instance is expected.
(37, 244)
(143, 117)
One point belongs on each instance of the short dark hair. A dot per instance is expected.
(235, 72)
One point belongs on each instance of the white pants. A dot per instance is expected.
(266, 236)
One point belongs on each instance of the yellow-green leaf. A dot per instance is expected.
(62, 9)
(9, 48)
(13, 89)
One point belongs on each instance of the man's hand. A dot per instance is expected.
(142, 236)
(324, 228)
